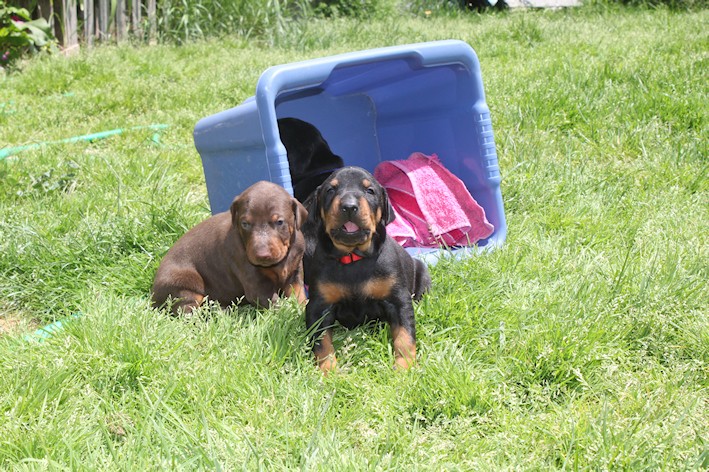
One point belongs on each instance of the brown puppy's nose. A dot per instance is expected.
(349, 205)
(263, 252)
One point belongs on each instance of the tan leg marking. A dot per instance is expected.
(186, 300)
(404, 348)
(299, 291)
(325, 354)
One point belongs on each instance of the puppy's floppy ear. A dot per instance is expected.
(234, 209)
(387, 210)
(301, 214)
(311, 205)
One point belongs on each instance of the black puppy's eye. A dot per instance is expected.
(370, 190)
(246, 225)
(331, 190)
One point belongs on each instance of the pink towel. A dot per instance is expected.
(432, 206)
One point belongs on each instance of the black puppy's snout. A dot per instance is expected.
(349, 205)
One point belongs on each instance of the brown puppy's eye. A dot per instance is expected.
(280, 222)
(246, 225)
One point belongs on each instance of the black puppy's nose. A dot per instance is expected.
(349, 205)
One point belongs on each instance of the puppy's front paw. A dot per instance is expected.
(404, 363)
(327, 364)
(404, 348)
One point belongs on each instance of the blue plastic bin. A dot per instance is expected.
(371, 106)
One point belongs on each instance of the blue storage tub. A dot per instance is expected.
(371, 106)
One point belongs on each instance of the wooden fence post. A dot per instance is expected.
(152, 21)
(45, 9)
(89, 22)
(121, 20)
(104, 12)
(136, 17)
(66, 29)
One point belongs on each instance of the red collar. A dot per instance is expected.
(350, 258)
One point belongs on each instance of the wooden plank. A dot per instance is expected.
(66, 28)
(26, 4)
(121, 29)
(45, 9)
(104, 12)
(135, 18)
(152, 22)
(89, 22)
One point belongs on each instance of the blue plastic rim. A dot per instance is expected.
(371, 106)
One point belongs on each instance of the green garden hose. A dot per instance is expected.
(11, 151)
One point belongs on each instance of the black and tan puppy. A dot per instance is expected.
(309, 157)
(355, 272)
(253, 252)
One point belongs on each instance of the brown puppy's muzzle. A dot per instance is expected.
(265, 250)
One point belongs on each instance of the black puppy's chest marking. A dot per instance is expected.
(378, 288)
(333, 292)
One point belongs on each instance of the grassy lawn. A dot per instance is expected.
(583, 343)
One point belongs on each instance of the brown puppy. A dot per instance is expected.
(253, 252)
(354, 271)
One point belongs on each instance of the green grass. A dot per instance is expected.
(583, 343)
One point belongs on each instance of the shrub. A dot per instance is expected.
(671, 4)
(364, 9)
(20, 34)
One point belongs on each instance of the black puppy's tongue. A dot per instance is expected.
(350, 227)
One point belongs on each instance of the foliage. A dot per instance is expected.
(362, 9)
(21, 35)
(672, 4)
(183, 20)
(180, 21)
